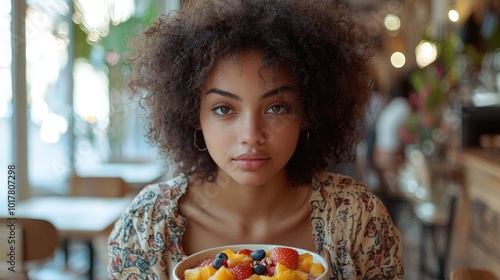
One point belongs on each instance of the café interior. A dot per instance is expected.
(68, 128)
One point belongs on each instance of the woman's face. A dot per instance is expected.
(250, 119)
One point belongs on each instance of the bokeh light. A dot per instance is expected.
(425, 53)
(392, 22)
(453, 15)
(398, 59)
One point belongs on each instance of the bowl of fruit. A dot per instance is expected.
(252, 261)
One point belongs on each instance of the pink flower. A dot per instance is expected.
(440, 71)
(424, 93)
(406, 135)
(415, 101)
(426, 120)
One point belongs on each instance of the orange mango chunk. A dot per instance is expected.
(282, 272)
(305, 262)
(316, 269)
(223, 274)
(199, 273)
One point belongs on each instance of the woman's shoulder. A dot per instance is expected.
(335, 183)
(166, 193)
(353, 223)
(338, 191)
(142, 243)
(342, 196)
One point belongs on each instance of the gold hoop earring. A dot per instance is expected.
(195, 143)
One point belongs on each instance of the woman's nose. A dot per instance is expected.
(252, 131)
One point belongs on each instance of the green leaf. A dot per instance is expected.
(82, 47)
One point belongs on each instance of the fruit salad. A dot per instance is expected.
(280, 263)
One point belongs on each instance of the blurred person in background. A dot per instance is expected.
(388, 148)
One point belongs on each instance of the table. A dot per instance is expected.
(82, 218)
(136, 175)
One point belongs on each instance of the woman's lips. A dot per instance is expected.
(251, 161)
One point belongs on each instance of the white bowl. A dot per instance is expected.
(199, 257)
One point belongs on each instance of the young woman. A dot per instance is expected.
(252, 100)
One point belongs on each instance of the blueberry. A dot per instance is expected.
(221, 255)
(218, 263)
(259, 254)
(259, 269)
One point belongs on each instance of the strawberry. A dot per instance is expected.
(270, 270)
(286, 256)
(247, 252)
(206, 262)
(242, 271)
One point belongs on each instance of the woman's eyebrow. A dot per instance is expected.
(223, 93)
(277, 91)
(268, 94)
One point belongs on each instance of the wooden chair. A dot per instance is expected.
(98, 186)
(472, 274)
(35, 241)
(94, 187)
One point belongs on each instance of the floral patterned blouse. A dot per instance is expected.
(348, 221)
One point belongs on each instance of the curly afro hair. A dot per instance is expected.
(321, 43)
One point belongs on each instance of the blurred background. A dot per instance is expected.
(77, 108)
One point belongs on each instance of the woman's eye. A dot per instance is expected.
(222, 110)
(277, 109)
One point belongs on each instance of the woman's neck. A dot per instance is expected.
(263, 200)
(226, 197)
(231, 213)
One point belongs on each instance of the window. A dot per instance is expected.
(78, 108)
(48, 70)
